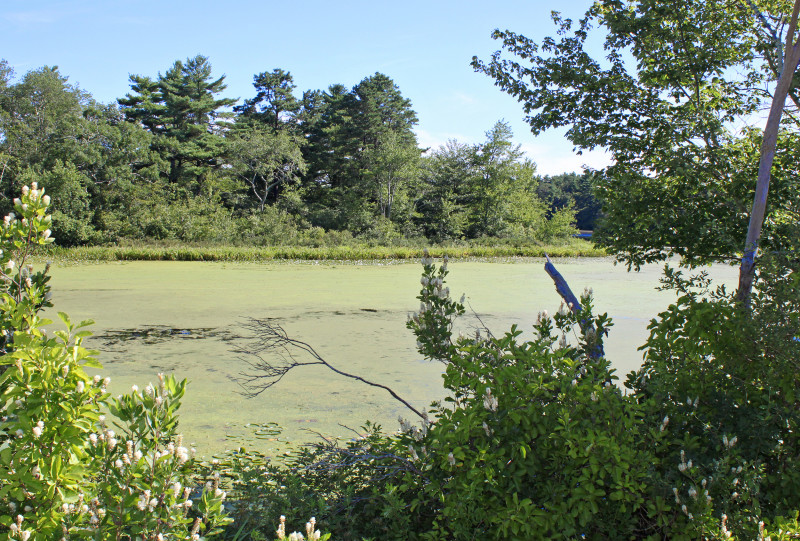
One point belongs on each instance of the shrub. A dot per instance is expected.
(534, 441)
(349, 488)
(64, 472)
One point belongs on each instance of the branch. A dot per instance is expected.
(269, 337)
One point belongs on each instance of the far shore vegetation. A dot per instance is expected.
(333, 174)
(356, 251)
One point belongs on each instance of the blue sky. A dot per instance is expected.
(425, 46)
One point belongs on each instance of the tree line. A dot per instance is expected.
(174, 159)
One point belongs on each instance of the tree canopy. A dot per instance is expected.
(176, 159)
(677, 102)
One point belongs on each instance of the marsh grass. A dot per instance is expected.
(346, 252)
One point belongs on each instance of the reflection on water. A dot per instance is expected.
(156, 334)
(185, 318)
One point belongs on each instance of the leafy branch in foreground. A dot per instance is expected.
(667, 102)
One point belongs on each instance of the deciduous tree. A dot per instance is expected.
(667, 102)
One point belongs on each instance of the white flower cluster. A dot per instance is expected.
(312, 534)
(96, 513)
(17, 531)
(728, 443)
(107, 437)
(489, 401)
(683, 466)
(181, 453)
(146, 501)
(34, 193)
(427, 260)
(725, 532)
(418, 433)
(102, 382)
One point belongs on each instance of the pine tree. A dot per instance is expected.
(274, 103)
(182, 109)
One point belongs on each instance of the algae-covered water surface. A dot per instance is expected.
(186, 318)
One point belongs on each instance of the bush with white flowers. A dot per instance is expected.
(64, 470)
(535, 441)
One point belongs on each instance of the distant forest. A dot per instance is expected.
(173, 160)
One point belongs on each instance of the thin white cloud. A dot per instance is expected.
(464, 99)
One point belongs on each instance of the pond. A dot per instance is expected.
(185, 318)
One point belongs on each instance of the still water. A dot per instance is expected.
(185, 318)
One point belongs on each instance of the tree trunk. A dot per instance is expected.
(768, 144)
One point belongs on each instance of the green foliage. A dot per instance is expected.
(535, 441)
(181, 110)
(274, 104)
(71, 210)
(361, 152)
(486, 190)
(63, 470)
(571, 189)
(727, 383)
(664, 103)
(315, 244)
(164, 164)
(40, 118)
(345, 487)
(267, 162)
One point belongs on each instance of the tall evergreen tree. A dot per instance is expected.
(330, 134)
(344, 131)
(183, 110)
(382, 108)
(274, 103)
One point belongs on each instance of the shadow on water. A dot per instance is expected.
(157, 334)
(117, 339)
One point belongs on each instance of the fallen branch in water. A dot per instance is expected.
(269, 338)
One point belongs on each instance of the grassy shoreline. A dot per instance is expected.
(148, 252)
